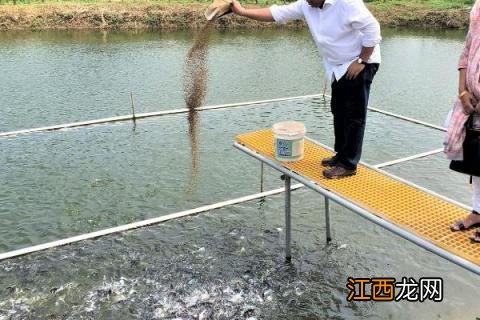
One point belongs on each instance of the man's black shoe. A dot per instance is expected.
(329, 162)
(338, 172)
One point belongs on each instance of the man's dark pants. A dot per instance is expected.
(349, 108)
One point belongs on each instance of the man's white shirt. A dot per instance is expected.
(339, 30)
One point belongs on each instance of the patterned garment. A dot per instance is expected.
(470, 59)
(453, 144)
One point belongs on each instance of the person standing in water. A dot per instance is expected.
(348, 36)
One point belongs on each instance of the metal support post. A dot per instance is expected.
(261, 176)
(288, 254)
(327, 219)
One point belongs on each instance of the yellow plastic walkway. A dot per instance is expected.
(408, 207)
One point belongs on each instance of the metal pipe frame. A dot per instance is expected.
(364, 213)
(139, 224)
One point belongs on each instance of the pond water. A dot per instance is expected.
(227, 263)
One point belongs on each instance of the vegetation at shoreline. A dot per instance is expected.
(422, 13)
(433, 4)
(188, 14)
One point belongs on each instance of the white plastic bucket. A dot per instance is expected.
(289, 140)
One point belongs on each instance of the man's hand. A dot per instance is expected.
(468, 103)
(259, 14)
(237, 8)
(354, 69)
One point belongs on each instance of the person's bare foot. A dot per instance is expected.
(472, 220)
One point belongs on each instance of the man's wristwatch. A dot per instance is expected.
(360, 61)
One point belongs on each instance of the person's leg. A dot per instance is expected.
(337, 108)
(355, 116)
(473, 219)
(476, 195)
(351, 111)
(476, 205)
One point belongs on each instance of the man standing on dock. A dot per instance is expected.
(348, 36)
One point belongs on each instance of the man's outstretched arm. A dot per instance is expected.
(260, 14)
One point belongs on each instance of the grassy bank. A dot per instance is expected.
(185, 14)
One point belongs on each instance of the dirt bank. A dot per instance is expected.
(175, 17)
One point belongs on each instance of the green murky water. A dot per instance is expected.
(225, 264)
